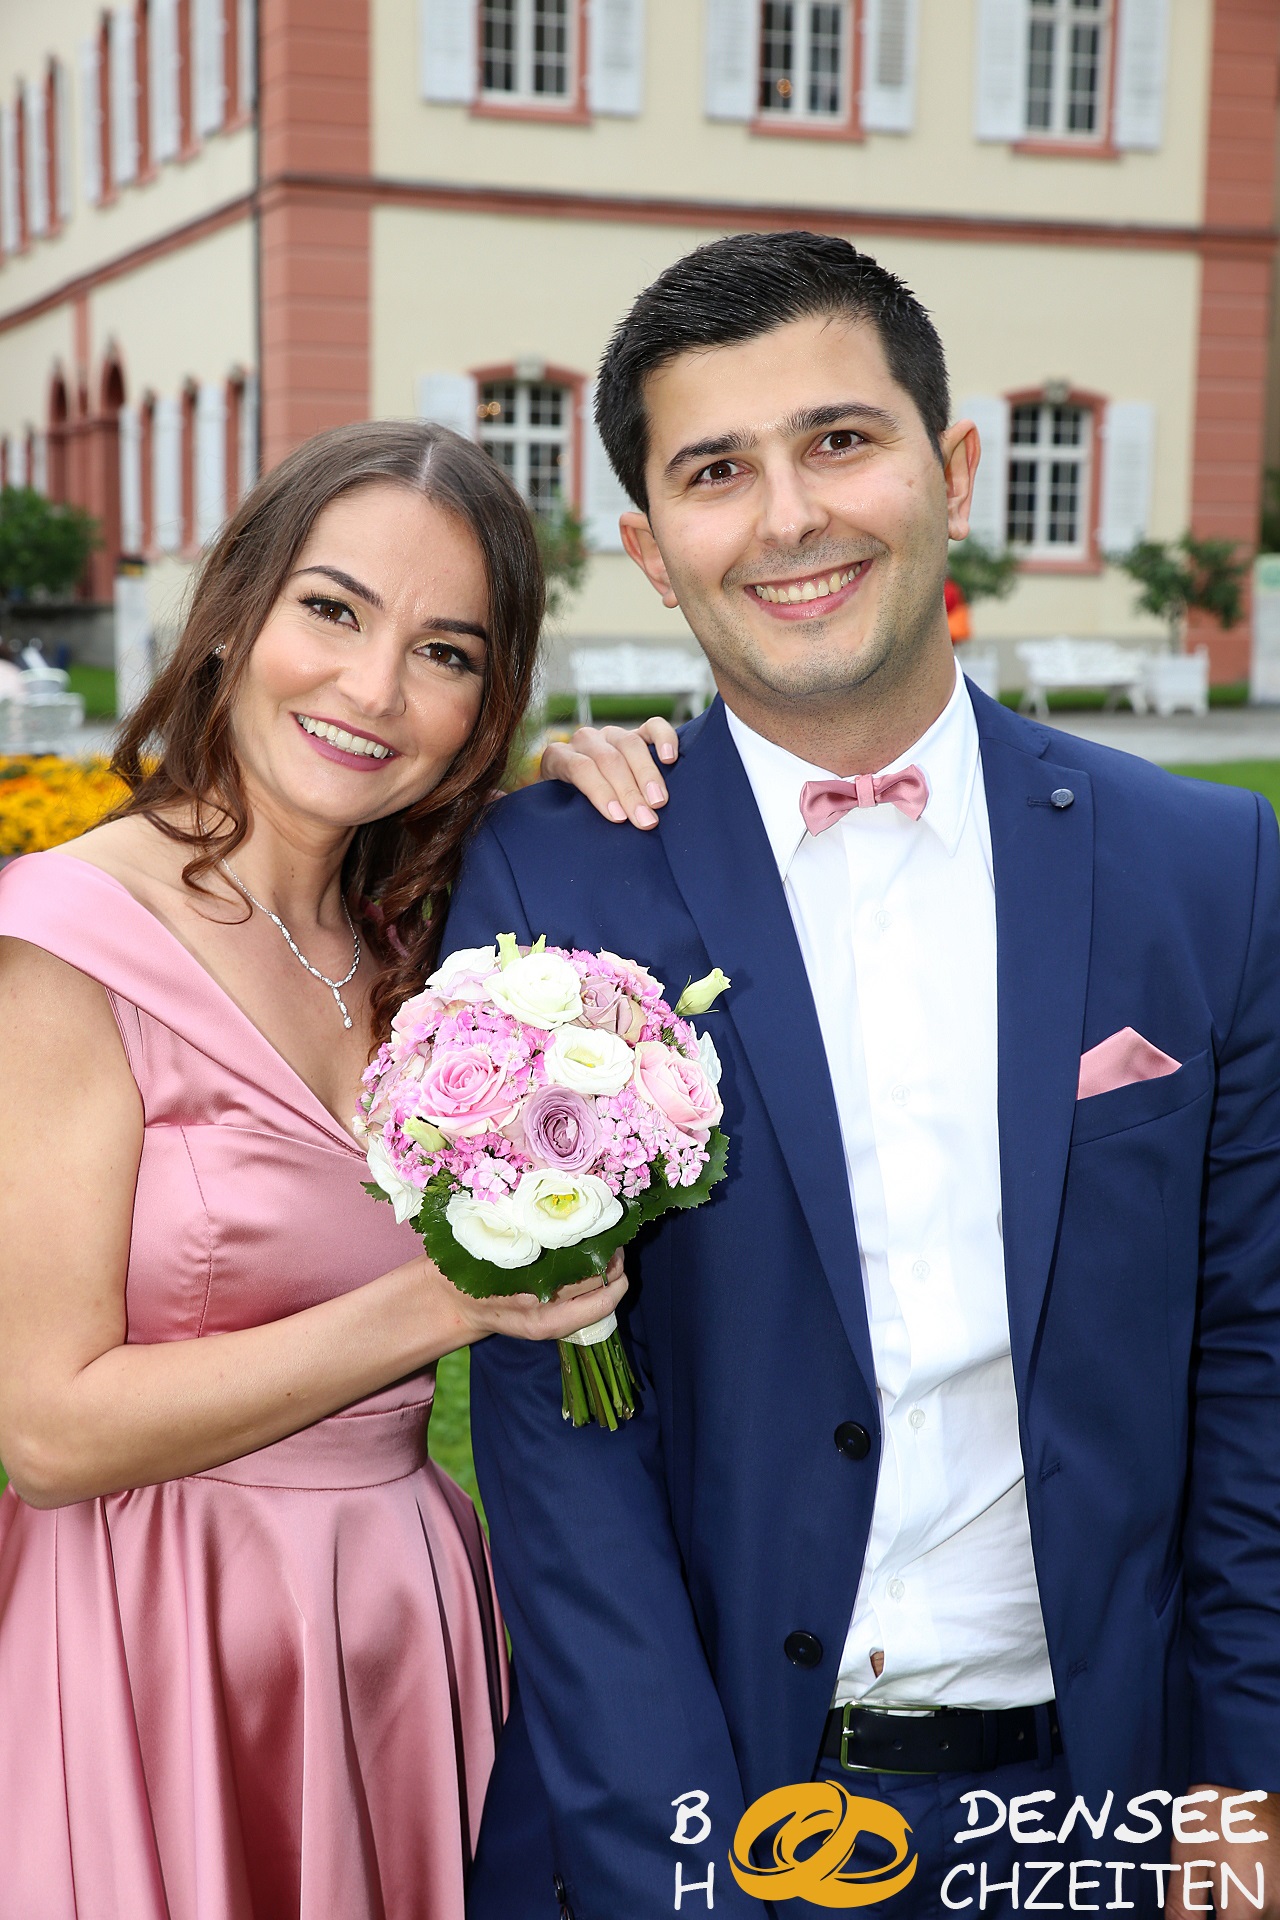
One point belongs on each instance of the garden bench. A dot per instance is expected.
(646, 672)
(1072, 666)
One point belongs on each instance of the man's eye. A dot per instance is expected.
(336, 612)
(716, 474)
(842, 440)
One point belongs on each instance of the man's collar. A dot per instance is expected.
(947, 754)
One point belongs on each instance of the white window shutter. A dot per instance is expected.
(448, 50)
(616, 39)
(164, 80)
(729, 79)
(449, 400)
(40, 462)
(61, 137)
(603, 495)
(211, 460)
(1000, 70)
(17, 459)
(90, 123)
(1143, 29)
(988, 515)
(37, 161)
(124, 96)
(10, 227)
(1128, 449)
(129, 429)
(207, 30)
(247, 449)
(166, 474)
(889, 29)
(247, 53)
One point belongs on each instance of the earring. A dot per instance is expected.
(219, 651)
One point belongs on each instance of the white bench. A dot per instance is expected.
(646, 672)
(1070, 666)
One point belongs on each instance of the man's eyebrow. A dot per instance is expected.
(809, 420)
(440, 625)
(346, 580)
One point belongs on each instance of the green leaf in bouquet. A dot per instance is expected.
(659, 1198)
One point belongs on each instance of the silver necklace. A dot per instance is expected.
(335, 986)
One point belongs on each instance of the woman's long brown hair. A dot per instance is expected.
(177, 753)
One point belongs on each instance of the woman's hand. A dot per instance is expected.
(525, 1317)
(614, 768)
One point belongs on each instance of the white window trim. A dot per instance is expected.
(800, 115)
(1044, 454)
(523, 95)
(1058, 132)
(522, 435)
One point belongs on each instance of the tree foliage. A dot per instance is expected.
(563, 545)
(982, 572)
(43, 547)
(1176, 575)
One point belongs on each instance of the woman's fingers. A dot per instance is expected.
(525, 1317)
(614, 769)
(661, 734)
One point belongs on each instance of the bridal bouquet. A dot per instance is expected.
(531, 1110)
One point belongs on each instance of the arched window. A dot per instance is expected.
(190, 411)
(59, 411)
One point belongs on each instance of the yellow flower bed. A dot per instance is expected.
(45, 800)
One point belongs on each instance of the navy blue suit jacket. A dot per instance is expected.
(651, 1577)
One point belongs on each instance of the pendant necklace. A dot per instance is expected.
(335, 986)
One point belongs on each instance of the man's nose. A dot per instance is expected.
(790, 512)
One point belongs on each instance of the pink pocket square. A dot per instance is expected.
(1121, 1061)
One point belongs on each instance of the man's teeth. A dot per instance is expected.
(816, 588)
(339, 737)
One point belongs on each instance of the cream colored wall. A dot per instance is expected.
(182, 190)
(28, 357)
(454, 291)
(672, 149)
(187, 315)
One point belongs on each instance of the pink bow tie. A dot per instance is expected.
(823, 802)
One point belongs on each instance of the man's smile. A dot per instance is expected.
(812, 595)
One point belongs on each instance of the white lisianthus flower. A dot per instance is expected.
(699, 994)
(465, 968)
(709, 1058)
(491, 1231)
(403, 1195)
(589, 1060)
(560, 1209)
(539, 988)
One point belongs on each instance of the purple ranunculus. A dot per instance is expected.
(561, 1129)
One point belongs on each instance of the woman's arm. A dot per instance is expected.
(81, 1413)
(614, 768)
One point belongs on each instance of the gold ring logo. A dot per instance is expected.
(821, 1811)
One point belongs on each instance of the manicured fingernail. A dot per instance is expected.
(655, 793)
(645, 817)
(666, 751)
(616, 810)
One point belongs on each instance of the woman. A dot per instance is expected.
(250, 1661)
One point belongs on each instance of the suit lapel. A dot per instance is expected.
(723, 865)
(1043, 861)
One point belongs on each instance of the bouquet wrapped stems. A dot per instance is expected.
(596, 1376)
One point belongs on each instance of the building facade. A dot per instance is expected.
(225, 225)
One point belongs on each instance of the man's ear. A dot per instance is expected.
(961, 450)
(637, 538)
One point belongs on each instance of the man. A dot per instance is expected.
(956, 1469)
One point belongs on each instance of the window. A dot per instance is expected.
(1048, 500)
(804, 59)
(527, 50)
(527, 427)
(1066, 79)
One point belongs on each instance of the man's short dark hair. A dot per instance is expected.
(745, 285)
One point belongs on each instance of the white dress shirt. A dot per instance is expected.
(896, 924)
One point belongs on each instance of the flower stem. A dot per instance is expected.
(599, 1386)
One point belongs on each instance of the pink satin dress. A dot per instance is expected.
(270, 1691)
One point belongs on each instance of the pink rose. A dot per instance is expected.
(678, 1087)
(463, 1092)
(606, 1005)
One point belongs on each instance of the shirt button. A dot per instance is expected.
(884, 920)
(917, 1417)
(921, 1270)
(895, 1589)
(899, 1096)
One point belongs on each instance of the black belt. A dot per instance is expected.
(945, 1740)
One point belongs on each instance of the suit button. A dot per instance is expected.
(803, 1649)
(853, 1441)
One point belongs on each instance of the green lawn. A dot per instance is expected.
(1262, 776)
(98, 685)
